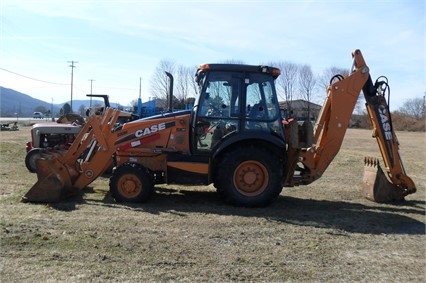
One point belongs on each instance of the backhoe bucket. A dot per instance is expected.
(376, 185)
(54, 182)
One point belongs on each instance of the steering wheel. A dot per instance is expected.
(214, 111)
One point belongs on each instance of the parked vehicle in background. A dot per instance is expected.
(7, 127)
(38, 115)
(59, 135)
(51, 135)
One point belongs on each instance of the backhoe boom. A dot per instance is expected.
(330, 129)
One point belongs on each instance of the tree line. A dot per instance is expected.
(297, 81)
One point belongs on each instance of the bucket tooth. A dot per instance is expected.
(54, 182)
(376, 186)
(371, 162)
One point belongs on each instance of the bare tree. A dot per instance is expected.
(184, 84)
(325, 78)
(65, 109)
(194, 85)
(160, 81)
(286, 83)
(81, 110)
(41, 109)
(233, 61)
(307, 82)
(413, 107)
(329, 76)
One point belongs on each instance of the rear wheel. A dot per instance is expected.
(249, 176)
(31, 159)
(131, 183)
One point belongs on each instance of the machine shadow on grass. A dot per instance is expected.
(346, 217)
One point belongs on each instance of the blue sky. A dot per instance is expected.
(117, 42)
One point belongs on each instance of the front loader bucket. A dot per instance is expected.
(376, 185)
(54, 182)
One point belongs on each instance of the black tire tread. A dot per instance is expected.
(140, 172)
(229, 162)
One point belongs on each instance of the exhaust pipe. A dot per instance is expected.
(170, 101)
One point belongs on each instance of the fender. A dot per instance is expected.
(251, 136)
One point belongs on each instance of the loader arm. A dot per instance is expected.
(100, 140)
(60, 174)
(330, 129)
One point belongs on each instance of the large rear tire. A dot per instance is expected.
(131, 182)
(249, 176)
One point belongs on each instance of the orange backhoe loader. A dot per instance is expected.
(234, 137)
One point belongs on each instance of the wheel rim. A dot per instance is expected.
(129, 186)
(251, 178)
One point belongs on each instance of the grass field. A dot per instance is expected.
(326, 231)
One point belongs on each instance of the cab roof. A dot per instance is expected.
(275, 72)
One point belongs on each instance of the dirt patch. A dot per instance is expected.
(325, 231)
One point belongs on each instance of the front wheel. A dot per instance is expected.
(31, 159)
(249, 176)
(131, 183)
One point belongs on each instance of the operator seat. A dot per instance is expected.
(257, 111)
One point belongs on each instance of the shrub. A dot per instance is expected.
(400, 121)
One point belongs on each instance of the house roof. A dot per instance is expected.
(299, 104)
(156, 102)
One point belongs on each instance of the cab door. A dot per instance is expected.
(219, 110)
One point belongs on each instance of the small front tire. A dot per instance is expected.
(131, 182)
(31, 159)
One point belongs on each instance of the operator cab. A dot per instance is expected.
(235, 99)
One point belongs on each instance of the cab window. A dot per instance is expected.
(218, 109)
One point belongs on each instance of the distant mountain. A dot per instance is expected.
(12, 101)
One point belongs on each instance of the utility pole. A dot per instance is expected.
(91, 84)
(72, 77)
(140, 84)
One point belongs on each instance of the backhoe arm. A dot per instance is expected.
(332, 122)
(376, 185)
(316, 154)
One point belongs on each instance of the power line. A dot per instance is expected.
(53, 83)
(30, 78)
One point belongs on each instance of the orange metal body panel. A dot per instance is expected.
(333, 120)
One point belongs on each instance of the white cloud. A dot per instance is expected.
(118, 41)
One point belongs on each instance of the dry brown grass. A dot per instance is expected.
(322, 232)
